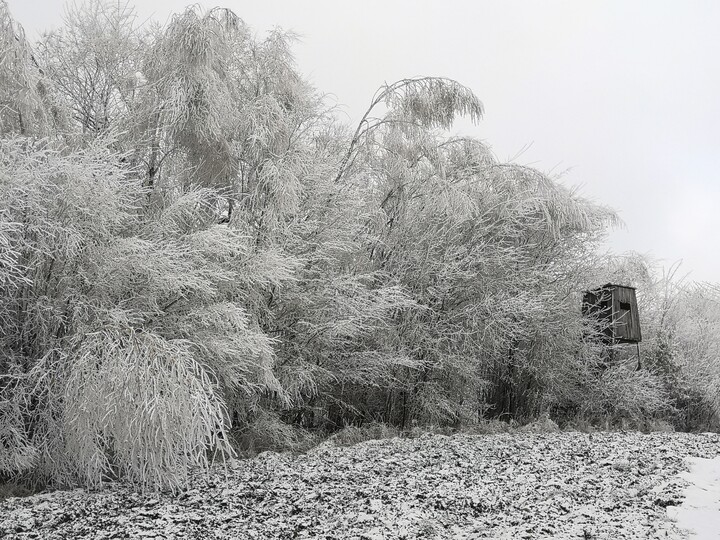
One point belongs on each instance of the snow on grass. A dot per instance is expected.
(511, 485)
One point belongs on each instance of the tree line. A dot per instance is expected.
(197, 257)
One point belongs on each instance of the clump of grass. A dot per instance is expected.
(579, 424)
(543, 424)
(14, 489)
(658, 425)
(492, 427)
(267, 432)
(350, 435)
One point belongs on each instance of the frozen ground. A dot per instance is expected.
(511, 485)
(699, 512)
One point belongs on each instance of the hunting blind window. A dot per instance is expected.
(615, 307)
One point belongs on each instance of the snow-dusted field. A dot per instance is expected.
(519, 485)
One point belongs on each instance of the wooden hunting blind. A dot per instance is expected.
(615, 306)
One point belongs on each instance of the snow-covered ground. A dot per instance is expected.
(512, 485)
(699, 512)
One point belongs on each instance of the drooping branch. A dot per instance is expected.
(430, 102)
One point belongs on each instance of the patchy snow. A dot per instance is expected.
(700, 511)
(512, 485)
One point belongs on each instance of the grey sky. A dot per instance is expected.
(623, 96)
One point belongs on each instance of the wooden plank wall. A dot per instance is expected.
(626, 316)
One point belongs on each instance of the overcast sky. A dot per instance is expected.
(623, 96)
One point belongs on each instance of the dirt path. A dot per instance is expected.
(700, 510)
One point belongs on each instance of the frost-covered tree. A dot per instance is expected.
(27, 103)
(94, 61)
(198, 256)
(124, 340)
(130, 331)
